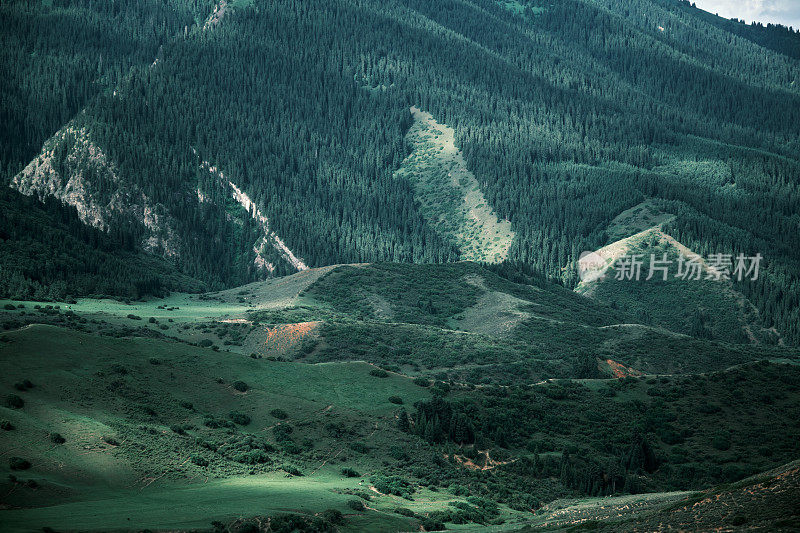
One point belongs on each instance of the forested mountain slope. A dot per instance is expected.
(567, 113)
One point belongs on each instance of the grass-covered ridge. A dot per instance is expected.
(401, 396)
(240, 437)
(464, 321)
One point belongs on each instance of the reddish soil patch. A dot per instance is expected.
(618, 370)
(286, 336)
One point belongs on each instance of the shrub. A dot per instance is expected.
(247, 527)
(239, 418)
(5, 425)
(291, 447)
(292, 471)
(199, 461)
(18, 463)
(134, 317)
(396, 400)
(721, 442)
(110, 440)
(14, 402)
(154, 361)
(356, 505)
(152, 320)
(404, 511)
(334, 516)
(253, 457)
(398, 452)
(23, 385)
(379, 373)
(241, 386)
(282, 432)
(393, 485)
(10, 307)
(422, 382)
(349, 472)
(360, 447)
(57, 438)
(300, 524)
(429, 524)
(738, 520)
(215, 423)
(206, 343)
(671, 437)
(187, 405)
(280, 414)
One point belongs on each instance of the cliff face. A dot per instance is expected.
(76, 171)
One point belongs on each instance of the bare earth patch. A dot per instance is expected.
(449, 195)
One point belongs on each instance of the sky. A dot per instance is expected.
(786, 12)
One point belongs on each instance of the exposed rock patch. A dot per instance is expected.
(270, 238)
(75, 170)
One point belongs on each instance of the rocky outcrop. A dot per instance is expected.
(76, 171)
(270, 238)
(216, 16)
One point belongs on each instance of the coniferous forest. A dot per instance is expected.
(567, 114)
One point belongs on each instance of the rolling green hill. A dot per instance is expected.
(701, 304)
(291, 398)
(461, 321)
(98, 431)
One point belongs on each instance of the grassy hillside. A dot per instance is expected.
(764, 501)
(256, 402)
(137, 419)
(169, 160)
(460, 321)
(699, 304)
(97, 431)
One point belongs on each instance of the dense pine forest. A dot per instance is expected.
(568, 113)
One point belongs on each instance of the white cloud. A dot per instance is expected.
(786, 12)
